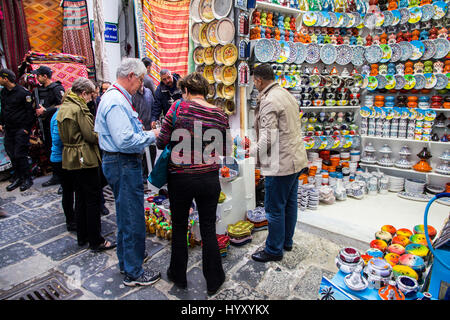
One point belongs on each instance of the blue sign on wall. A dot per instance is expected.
(111, 32)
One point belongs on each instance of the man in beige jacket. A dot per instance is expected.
(281, 156)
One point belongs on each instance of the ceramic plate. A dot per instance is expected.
(205, 10)
(225, 31)
(340, 20)
(328, 53)
(373, 54)
(396, 17)
(211, 33)
(293, 52)
(390, 82)
(346, 20)
(381, 81)
(427, 12)
(396, 52)
(442, 81)
(218, 54)
(344, 54)
(198, 55)
(405, 15)
(410, 81)
(195, 32)
(440, 9)
(264, 50)
(312, 53)
(420, 81)
(407, 50)
(203, 37)
(208, 73)
(358, 56)
(387, 53)
(285, 52)
(208, 56)
(301, 52)
(379, 19)
(229, 75)
(333, 19)
(388, 18)
(431, 80)
(418, 50)
(194, 13)
(277, 51)
(430, 49)
(229, 54)
(442, 48)
(221, 8)
(415, 14)
(310, 18)
(358, 19)
(326, 19)
(370, 20)
(399, 82)
(372, 83)
(352, 20)
(414, 196)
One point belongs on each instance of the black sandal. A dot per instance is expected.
(104, 246)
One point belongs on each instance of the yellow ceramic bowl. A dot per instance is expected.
(208, 56)
(197, 55)
(400, 270)
(208, 73)
(229, 75)
(229, 54)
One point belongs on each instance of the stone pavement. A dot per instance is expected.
(34, 243)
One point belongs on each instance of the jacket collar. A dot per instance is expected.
(266, 91)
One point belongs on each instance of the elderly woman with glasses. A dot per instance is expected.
(81, 158)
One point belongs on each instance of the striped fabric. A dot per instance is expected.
(166, 26)
(76, 33)
(192, 114)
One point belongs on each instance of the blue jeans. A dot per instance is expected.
(280, 203)
(124, 175)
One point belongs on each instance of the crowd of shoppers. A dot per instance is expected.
(99, 132)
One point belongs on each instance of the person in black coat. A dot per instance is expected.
(165, 95)
(17, 118)
(50, 96)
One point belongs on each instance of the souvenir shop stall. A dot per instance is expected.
(371, 79)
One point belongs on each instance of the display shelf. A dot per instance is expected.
(405, 140)
(330, 107)
(376, 166)
(277, 8)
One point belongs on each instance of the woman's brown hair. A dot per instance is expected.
(195, 83)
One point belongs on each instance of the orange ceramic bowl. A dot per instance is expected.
(389, 229)
(402, 240)
(379, 244)
(404, 232)
(392, 258)
(396, 248)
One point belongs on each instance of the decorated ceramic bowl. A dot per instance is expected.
(379, 244)
(404, 232)
(390, 292)
(346, 267)
(392, 258)
(378, 267)
(401, 270)
(383, 235)
(413, 261)
(420, 229)
(417, 249)
(396, 248)
(349, 255)
(409, 286)
(389, 229)
(402, 240)
(419, 238)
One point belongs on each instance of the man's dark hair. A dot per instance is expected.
(6, 73)
(147, 62)
(264, 71)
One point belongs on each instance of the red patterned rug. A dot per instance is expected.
(65, 72)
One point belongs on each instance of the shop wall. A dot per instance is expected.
(112, 10)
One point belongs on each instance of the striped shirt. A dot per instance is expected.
(198, 138)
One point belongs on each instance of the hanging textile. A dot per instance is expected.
(44, 24)
(101, 61)
(167, 35)
(14, 33)
(76, 33)
(140, 28)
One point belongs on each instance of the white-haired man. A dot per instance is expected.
(123, 139)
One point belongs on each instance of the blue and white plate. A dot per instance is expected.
(370, 20)
(399, 82)
(326, 19)
(441, 82)
(431, 80)
(427, 12)
(388, 18)
(407, 50)
(379, 19)
(293, 52)
(344, 54)
(264, 50)
(358, 56)
(352, 20)
(442, 48)
(333, 19)
(440, 9)
(430, 49)
(328, 53)
(310, 18)
(396, 52)
(418, 50)
(346, 20)
(277, 52)
(396, 17)
(358, 19)
(373, 54)
(420, 81)
(382, 82)
(405, 15)
(312, 53)
(301, 53)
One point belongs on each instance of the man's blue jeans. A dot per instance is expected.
(280, 203)
(124, 175)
